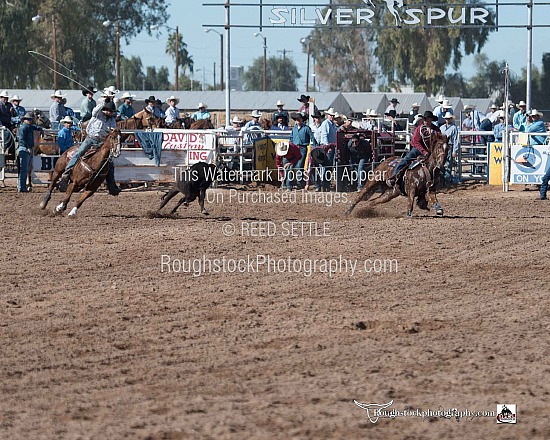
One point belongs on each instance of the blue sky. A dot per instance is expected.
(190, 15)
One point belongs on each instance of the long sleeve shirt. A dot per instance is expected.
(64, 139)
(198, 115)
(126, 111)
(278, 113)
(417, 141)
(519, 121)
(293, 156)
(302, 136)
(6, 113)
(327, 132)
(99, 126)
(172, 114)
(86, 108)
(536, 127)
(57, 111)
(451, 131)
(26, 137)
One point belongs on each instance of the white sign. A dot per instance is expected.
(528, 164)
(200, 145)
(347, 16)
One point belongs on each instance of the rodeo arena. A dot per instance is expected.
(273, 268)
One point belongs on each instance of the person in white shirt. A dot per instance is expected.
(172, 112)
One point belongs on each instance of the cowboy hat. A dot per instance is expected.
(109, 106)
(494, 106)
(151, 99)
(446, 104)
(172, 98)
(330, 112)
(110, 91)
(416, 119)
(128, 95)
(256, 114)
(58, 94)
(304, 98)
(373, 113)
(202, 105)
(395, 101)
(280, 103)
(16, 98)
(440, 98)
(415, 104)
(317, 114)
(367, 112)
(469, 107)
(67, 119)
(236, 120)
(319, 156)
(28, 115)
(89, 89)
(351, 117)
(448, 115)
(281, 148)
(391, 113)
(296, 115)
(428, 114)
(522, 104)
(4, 94)
(535, 112)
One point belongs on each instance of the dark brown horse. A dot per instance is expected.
(418, 183)
(202, 124)
(86, 175)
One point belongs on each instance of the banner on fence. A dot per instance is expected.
(199, 145)
(495, 163)
(528, 164)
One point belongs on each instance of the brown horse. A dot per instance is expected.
(86, 175)
(202, 124)
(419, 183)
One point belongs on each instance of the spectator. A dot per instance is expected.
(520, 118)
(126, 110)
(317, 120)
(347, 125)
(499, 128)
(6, 110)
(280, 111)
(65, 135)
(359, 152)
(172, 112)
(150, 104)
(254, 123)
(305, 105)
(287, 157)
(492, 115)
(317, 163)
(328, 131)
(280, 123)
(536, 126)
(302, 137)
(68, 110)
(201, 113)
(392, 106)
(57, 109)
(25, 149)
(390, 122)
(437, 109)
(88, 103)
(17, 108)
(450, 130)
(372, 121)
(108, 92)
(441, 110)
(232, 141)
(413, 112)
(159, 113)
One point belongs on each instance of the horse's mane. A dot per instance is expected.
(202, 124)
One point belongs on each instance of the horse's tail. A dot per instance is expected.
(366, 193)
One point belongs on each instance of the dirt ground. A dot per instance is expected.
(99, 341)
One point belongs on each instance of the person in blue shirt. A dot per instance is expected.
(280, 124)
(536, 126)
(24, 151)
(19, 109)
(125, 109)
(302, 137)
(65, 135)
(201, 113)
(520, 118)
(88, 103)
(450, 130)
(57, 109)
(280, 112)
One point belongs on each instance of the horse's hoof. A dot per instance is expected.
(439, 212)
(409, 214)
(73, 212)
(205, 212)
(42, 205)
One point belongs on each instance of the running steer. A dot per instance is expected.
(192, 183)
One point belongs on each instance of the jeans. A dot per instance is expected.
(288, 173)
(299, 167)
(23, 160)
(544, 184)
(449, 162)
(409, 157)
(85, 146)
(359, 165)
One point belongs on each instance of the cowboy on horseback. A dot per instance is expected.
(418, 145)
(103, 120)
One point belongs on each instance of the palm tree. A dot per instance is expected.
(184, 59)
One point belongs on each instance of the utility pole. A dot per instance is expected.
(284, 52)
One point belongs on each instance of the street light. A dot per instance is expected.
(36, 19)
(154, 27)
(221, 54)
(108, 23)
(307, 40)
(259, 34)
